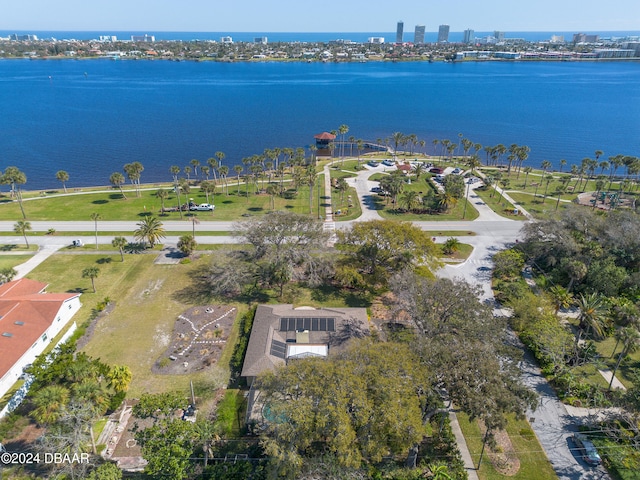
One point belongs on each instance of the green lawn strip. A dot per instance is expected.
(347, 204)
(533, 461)
(450, 233)
(111, 205)
(536, 207)
(10, 261)
(231, 413)
(460, 255)
(497, 203)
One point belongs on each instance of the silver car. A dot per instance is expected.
(587, 449)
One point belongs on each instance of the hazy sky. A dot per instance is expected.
(318, 16)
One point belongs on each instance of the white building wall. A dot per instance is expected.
(67, 310)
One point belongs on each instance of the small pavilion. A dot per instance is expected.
(322, 143)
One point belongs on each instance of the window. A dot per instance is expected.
(44, 337)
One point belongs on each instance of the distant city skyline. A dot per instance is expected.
(293, 15)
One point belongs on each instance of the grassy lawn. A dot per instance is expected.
(209, 233)
(499, 205)
(536, 207)
(147, 301)
(347, 204)
(112, 206)
(10, 261)
(533, 462)
(463, 252)
(231, 413)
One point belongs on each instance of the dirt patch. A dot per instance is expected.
(197, 341)
(503, 456)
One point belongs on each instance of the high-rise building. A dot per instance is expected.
(469, 36)
(499, 36)
(261, 40)
(443, 33)
(399, 31)
(418, 36)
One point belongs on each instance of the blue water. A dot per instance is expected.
(90, 117)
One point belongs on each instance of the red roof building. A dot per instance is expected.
(29, 320)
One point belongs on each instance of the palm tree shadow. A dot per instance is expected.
(77, 290)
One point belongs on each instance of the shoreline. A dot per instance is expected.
(314, 61)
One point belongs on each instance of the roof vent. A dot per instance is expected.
(7, 334)
(18, 322)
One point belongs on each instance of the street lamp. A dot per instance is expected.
(466, 201)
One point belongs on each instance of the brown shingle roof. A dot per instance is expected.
(266, 328)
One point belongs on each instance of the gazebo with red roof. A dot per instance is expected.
(323, 141)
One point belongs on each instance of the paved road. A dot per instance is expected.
(551, 422)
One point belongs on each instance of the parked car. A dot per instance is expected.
(203, 207)
(77, 243)
(587, 449)
(388, 163)
(376, 189)
(456, 171)
(437, 170)
(372, 163)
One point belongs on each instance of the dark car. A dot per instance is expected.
(437, 170)
(587, 449)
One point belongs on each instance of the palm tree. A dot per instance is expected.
(187, 244)
(95, 217)
(592, 314)
(560, 190)
(206, 170)
(63, 177)
(14, 177)
(561, 297)
(224, 172)
(209, 188)
(439, 471)
(120, 243)
(410, 199)
(49, 402)
(398, 138)
(220, 156)
(342, 129)
(92, 273)
(527, 171)
(21, 227)
(195, 164)
(175, 171)
(134, 171)
(630, 338)
(450, 246)
(446, 201)
(187, 172)
(548, 179)
(117, 179)
(359, 148)
(162, 194)
(150, 229)
(310, 178)
(238, 169)
(119, 377)
(272, 191)
(563, 162)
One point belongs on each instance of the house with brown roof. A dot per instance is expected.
(30, 319)
(281, 333)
